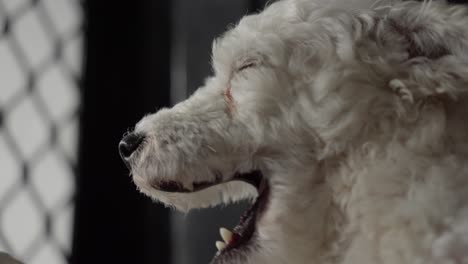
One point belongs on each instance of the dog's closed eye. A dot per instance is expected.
(247, 65)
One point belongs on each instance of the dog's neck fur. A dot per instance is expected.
(354, 195)
(365, 189)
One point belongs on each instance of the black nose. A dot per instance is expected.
(129, 144)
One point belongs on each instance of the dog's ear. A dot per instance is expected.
(434, 50)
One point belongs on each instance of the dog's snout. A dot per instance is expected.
(129, 144)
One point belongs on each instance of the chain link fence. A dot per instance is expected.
(40, 65)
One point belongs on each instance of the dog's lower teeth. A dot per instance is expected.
(220, 245)
(225, 234)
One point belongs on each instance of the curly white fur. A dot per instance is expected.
(356, 111)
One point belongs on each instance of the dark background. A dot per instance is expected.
(141, 56)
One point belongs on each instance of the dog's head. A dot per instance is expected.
(293, 86)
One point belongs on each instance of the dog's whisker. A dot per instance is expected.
(211, 148)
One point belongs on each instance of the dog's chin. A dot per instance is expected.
(252, 185)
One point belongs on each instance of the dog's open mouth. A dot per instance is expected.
(240, 238)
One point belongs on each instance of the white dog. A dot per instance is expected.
(345, 121)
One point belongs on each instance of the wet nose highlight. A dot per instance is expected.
(129, 144)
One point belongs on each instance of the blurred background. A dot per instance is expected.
(74, 76)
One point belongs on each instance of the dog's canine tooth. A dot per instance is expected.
(225, 234)
(220, 245)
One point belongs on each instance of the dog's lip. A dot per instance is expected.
(253, 177)
(243, 235)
